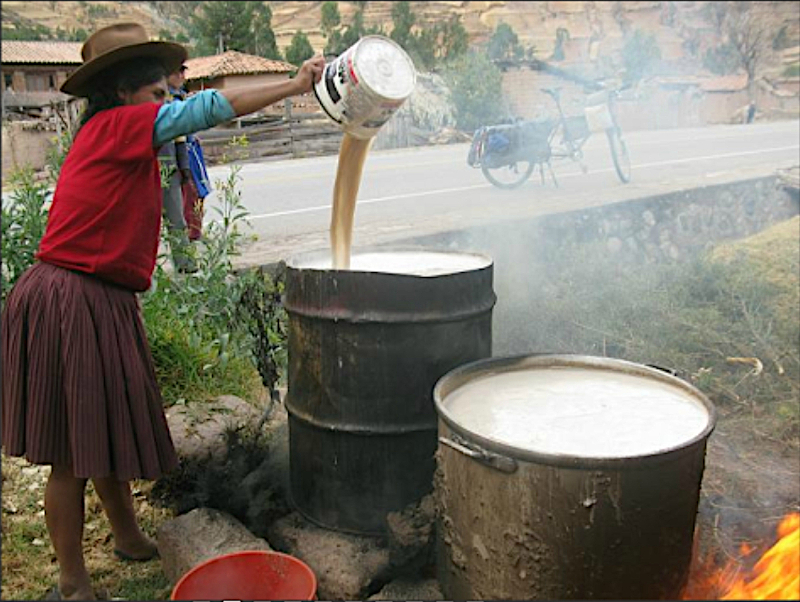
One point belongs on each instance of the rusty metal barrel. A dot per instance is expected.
(564, 477)
(366, 347)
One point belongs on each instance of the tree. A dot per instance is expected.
(340, 39)
(504, 43)
(439, 42)
(242, 26)
(402, 22)
(300, 49)
(475, 85)
(721, 59)
(264, 43)
(746, 40)
(330, 19)
(640, 55)
(453, 39)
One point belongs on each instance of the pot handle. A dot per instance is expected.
(486, 457)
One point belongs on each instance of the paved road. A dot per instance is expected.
(405, 193)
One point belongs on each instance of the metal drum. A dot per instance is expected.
(366, 347)
(567, 477)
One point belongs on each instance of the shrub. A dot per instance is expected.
(24, 217)
(476, 90)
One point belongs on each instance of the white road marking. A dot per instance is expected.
(412, 195)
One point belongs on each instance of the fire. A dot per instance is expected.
(776, 575)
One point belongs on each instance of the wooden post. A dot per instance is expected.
(287, 105)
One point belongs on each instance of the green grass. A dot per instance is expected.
(29, 567)
(187, 367)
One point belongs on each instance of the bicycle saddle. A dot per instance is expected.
(554, 92)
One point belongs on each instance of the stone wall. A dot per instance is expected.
(25, 144)
(670, 227)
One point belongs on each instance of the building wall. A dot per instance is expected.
(35, 78)
(233, 81)
(25, 144)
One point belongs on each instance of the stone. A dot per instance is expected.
(199, 535)
(199, 428)
(347, 566)
(410, 589)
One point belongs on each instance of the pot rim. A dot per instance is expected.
(463, 374)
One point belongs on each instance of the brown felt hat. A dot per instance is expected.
(116, 43)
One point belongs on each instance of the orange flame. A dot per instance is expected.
(776, 575)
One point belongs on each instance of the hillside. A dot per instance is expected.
(595, 29)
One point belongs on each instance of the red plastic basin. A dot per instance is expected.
(248, 575)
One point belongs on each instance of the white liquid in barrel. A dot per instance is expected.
(410, 263)
(578, 412)
(352, 154)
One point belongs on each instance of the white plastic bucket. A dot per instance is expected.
(363, 87)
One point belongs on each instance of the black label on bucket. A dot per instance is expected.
(330, 86)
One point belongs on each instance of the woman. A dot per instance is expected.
(79, 389)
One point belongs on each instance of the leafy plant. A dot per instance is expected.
(213, 328)
(475, 89)
(23, 221)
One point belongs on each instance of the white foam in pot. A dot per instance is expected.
(580, 412)
(412, 263)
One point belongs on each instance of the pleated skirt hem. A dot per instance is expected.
(79, 386)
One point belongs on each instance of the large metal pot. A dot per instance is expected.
(366, 347)
(578, 495)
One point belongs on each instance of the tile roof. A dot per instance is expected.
(15, 51)
(233, 63)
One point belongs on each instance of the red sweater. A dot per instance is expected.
(105, 218)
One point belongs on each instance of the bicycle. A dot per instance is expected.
(507, 154)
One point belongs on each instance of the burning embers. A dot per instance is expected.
(776, 575)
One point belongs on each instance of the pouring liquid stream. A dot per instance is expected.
(352, 155)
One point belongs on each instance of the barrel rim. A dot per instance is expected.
(462, 374)
(292, 262)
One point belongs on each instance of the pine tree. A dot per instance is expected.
(242, 26)
(300, 49)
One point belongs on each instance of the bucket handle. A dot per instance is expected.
(486, 457)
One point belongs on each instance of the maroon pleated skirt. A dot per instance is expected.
(79, 386)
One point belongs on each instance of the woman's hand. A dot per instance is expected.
(310, 73)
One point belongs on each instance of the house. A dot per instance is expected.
(33, 72)
(33, 109)
(231, 69)
(38, 66)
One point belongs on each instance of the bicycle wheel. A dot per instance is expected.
(510, 176)
(619, 154)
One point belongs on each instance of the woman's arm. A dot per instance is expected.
(212, 107)
(249, 99)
